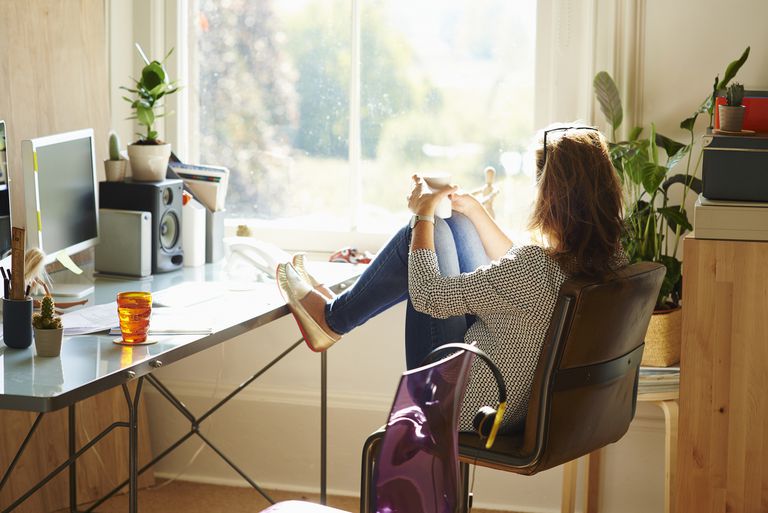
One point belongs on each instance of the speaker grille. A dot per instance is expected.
(169, 230)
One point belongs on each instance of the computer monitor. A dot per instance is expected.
(60, 204)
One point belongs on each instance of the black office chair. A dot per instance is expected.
(584, 392)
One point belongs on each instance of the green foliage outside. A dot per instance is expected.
(275, 105)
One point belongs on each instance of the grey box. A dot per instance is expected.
(125, 242)
(214, 236)
(735, 168)
(730, 220)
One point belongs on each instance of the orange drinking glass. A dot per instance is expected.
(133, 311)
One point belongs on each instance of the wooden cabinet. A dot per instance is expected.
(723, 429)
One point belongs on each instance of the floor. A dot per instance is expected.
(186, 497)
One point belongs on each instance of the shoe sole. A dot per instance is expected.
(298, 311)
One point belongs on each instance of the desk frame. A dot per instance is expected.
(140, 372)
(132, 425)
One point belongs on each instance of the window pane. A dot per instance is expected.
(273, 106)
(445, 85)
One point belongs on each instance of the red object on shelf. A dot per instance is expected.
(756, 115)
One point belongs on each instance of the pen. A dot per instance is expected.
(26, 292)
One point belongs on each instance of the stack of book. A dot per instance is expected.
(659, 379)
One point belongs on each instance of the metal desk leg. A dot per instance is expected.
(73, 460)
(323, 426)
(133, 445)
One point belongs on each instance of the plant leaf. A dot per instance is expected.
(688, 123)
(634, 135)
(732, 69)
(607, 95)
(654, 149)
(671, 147)
(695, 184)
(652, 176)
(677, 157)
(675, 217)
(671, 280)
(145, 115)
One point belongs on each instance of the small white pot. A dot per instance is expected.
(48, 342)
(149, 162)
(115, 170)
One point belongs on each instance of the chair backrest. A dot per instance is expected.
(585, 387)
(418, 467)
(584, 391)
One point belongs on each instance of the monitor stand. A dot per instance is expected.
(71, 290)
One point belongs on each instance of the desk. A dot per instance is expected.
(91, 364)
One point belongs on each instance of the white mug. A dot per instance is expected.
(436, 181)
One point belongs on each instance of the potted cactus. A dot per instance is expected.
(48, 329)
(731, 114)
(149, 155)
(114, 167)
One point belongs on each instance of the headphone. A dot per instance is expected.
(487, 420)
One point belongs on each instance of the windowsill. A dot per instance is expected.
(293, 239)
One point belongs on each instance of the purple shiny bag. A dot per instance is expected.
(418, 467)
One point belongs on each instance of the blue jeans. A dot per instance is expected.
(385, 283)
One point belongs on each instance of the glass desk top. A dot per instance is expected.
(90, 364)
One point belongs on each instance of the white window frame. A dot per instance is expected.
(574, 39)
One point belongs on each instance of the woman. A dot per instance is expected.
(464, 280)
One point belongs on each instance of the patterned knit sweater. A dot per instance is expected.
(513, 300)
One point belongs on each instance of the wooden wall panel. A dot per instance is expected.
(723, 449)
(53, 78)
(53, 71)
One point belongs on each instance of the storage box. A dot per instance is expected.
(735, 167)
(730, 220)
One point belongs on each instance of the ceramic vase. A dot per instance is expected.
(149, 162)
(731, 117)
(48, 341)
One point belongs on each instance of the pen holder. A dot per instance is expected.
(17, 323)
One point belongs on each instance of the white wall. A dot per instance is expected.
(272, 429)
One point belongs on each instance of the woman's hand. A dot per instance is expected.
(422, 200)
(465, 203)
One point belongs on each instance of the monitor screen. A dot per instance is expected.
(66, 192)
(60, 193)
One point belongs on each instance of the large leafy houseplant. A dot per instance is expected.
(648, 169)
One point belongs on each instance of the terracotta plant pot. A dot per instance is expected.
(48, 342)
(731, 118)
(663, 338)
(115, 170)
(149, 162)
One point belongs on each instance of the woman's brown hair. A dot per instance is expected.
(579, 202)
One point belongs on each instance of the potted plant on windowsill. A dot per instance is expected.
(48, 329)
(731, 115)
(149, 155)
(114, 167)
(654, 225)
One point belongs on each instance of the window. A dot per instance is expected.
(441, 85)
